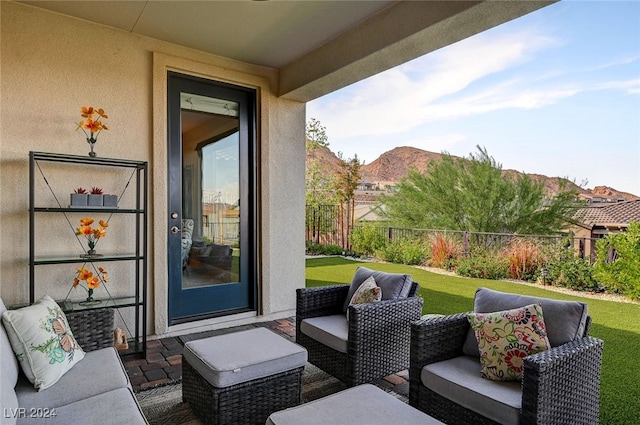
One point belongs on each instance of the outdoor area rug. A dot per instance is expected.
(164, 406)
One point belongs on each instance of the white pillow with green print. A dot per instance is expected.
(41, 339)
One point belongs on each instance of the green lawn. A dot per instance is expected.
(618, 324)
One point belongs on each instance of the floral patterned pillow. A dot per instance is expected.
(41, 339)
(505, 338)
(367, 292)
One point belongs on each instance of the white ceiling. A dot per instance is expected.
(250, 31)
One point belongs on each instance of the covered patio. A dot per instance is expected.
(128, 57)
(59, 56)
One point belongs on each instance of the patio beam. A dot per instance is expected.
(402, 32)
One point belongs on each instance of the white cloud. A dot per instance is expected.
(630, 86)
(616, 62)
(405, 97)
(499, 97)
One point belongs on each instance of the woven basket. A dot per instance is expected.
(92, 329)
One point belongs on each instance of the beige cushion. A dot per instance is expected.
(42, 341)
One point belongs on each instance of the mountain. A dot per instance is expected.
(322, 157)
(391, 166)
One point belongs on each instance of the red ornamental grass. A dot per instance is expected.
(524, 258)
(443, 249)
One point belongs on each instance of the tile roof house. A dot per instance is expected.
(612, 217)
(602, 219)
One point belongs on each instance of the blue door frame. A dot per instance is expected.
(239, 295)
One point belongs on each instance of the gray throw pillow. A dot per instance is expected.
(565, 320)
(393, 285)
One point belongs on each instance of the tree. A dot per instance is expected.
(325, 188)
(320, 198)
(347, 181)
(316, 135)
(320, 186)
(472, 194)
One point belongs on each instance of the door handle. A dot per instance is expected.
(174, 229)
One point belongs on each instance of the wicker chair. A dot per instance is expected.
(378, 333)
(559, 386)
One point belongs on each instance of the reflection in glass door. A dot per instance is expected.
(211, 200)
(211, 191)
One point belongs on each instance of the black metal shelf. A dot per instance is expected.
(113, 302)
(88, 210)
(77, 159)
(137, 300)
(78, 259)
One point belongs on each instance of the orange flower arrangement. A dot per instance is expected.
(92, 282)
(93, 126)
(90, 233)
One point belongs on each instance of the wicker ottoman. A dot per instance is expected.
(365, 404)
(241, 377)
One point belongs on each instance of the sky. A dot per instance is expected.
(555, 92)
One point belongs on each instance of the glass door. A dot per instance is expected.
(212, 208)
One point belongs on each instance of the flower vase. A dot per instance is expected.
(92, 252)
(90, 300)
(91, 142)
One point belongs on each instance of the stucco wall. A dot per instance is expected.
(51, 65)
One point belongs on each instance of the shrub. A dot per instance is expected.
(366, 239)
(405, 251)
(414, 252)
(622, 275)
(390, 253)
(568, 270)
(444, 250)
(525, 257)
(333, 249)
(313, 248)
(483, 265)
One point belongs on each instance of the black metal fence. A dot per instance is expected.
(326, 225)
